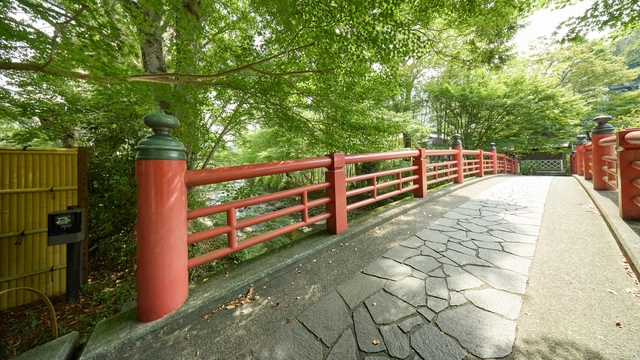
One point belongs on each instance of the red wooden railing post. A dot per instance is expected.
(602, 130)
(457, 145)
(421, 172)
(161, 246)
(629, 174)
(587, 160)
(337, 191)
(580, 154)
(494, 158)
(481, 162)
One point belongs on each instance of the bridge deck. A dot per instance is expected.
(510, 267)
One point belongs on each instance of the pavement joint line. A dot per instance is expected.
(123, 329)
(472, 310)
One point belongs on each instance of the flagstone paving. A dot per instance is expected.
(452, 290)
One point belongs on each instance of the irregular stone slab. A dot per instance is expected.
(419, 275)
(388, 269)
(427, 251)
(397, 344)
(499, 278)
(472, 227)
(427, 313)
(469, 245)
(482, 222)
(437, 287)
(522, 229)
(458, 279)
(467, 212)
(433, 236)
(489, 245)
(515, 219)
(445, 222)
(387, 308)
(366, 331)
(460, 248)
(442, 228)
(447, 261)
(507, 261)
(437, 304)
(459, 235)
(359, 288)
(455, 216)
(376, 357)
(413, 242)
(437, 273)
(345, 348)
(436, 246)
(483, 237)
(327, 318)
(497, 301)
(408, 324)
(519, 249)
(482, 333)
(423, 263)
(291, 341)
(430, 343)
(493, 217)
(513, 237)
(409, 289)
(401, 253)
(456, 299)
(464, 259)
(473, 205)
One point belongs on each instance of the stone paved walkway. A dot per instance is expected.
(452, 290)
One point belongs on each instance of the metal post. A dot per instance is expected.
(421, 172)
(602, 130)
(457, 145)
(337, 191)
(162, 220)
(494, 158)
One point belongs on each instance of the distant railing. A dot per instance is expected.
(612, 169)
(162, 236)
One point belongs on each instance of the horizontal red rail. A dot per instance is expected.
(231, 173)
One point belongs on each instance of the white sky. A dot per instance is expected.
(544, 22)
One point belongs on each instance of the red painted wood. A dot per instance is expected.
(161, 248)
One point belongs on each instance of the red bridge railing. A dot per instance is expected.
(612, 169)
(163, 180)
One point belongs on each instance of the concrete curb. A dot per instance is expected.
(115, 333)
(626, 233)
(62, 348)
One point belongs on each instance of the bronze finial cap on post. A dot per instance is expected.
(602, 125)
(161, 145)
(581, 139)
(456, 140)
(492, 146)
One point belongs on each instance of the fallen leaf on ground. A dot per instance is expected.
(618, 324)
(277, 303)
(613, 292)
(376, 342)
(288, 320)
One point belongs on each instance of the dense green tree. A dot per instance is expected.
(516, 108)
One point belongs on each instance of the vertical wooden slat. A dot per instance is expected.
(29, 224)
(4, 227)
(13, 227)
(20, 223)
(49, 250)
(82, 171)
(41, 209)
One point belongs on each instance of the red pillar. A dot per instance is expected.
(580, 154)
(337, 191)
(602, 130)
(587, 161)
(457, 145)
(421, 172)
(628, 174)
(481, 164)
(161, 246)
(494, 158)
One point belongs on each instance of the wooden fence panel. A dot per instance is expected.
(33, 183)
